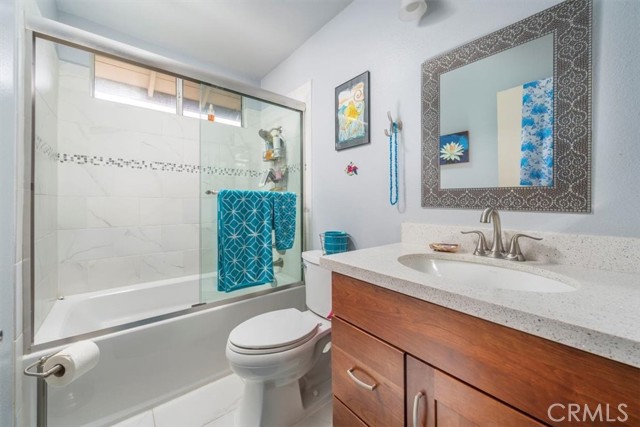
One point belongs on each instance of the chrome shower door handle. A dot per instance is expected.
(416, 407)
(359, 382)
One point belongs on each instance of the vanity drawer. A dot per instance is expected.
(368, 375)
(343, 417)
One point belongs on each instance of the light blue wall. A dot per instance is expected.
(8, 143)
(367, 35)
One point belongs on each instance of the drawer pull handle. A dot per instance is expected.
(416, 407)
(360, 383)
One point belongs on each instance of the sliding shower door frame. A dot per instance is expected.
(38, 27)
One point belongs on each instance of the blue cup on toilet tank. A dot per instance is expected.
(333, 242)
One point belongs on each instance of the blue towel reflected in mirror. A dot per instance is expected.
(536, 163)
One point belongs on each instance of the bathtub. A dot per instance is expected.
(94, 311)
(144, 366)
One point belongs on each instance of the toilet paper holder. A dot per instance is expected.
(41, 393)
(60, 369)
(40, 372)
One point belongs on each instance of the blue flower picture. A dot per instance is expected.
(454, 148)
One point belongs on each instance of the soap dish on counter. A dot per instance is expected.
(445, 247)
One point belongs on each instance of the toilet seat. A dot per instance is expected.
(273, 332)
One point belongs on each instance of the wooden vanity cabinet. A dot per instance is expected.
(471, 372)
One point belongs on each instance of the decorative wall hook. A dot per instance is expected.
(391, 123)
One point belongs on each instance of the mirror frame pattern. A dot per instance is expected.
(571, 24)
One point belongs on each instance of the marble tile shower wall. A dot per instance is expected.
(128, 188)
(129, 182)
(46, 188)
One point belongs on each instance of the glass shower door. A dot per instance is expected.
(246, 144)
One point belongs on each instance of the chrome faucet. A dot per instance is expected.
(491, 215)
(497, 248)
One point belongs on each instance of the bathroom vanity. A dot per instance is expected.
(399, 359)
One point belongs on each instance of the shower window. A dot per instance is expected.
(130, 84)
(226, 106)
(120, 81)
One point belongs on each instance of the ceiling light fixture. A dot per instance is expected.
(411, 10)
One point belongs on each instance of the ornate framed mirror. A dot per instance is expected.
(506, 118)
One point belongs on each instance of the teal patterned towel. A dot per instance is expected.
(244, 239)
(246, 220)
(284, 219)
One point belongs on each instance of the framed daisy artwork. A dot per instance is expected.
(454, 148)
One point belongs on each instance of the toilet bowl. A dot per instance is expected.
(284, 356)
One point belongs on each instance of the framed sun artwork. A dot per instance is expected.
(454, 148)
(352, 112)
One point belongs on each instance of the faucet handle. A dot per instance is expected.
(515, 254)
(481, 248)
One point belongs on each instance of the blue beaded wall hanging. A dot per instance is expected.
(392, 133)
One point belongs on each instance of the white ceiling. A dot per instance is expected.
(245, 38)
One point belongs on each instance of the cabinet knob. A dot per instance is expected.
(359, 382)
(416, 407)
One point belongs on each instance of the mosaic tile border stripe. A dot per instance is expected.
(46, 149)
(84, 159)
(81, 159)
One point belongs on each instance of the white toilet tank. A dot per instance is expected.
(318, 284)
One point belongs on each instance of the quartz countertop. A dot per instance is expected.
(602, 316)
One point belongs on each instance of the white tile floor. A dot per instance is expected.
(212, 405)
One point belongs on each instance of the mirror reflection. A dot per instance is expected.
(525, 140)
(496, 120)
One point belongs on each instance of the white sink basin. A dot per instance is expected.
(482, 275)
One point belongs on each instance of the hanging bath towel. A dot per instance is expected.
(284, 219)
(245, 223)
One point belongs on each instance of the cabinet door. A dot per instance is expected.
(435, 399)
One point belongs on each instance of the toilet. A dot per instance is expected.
(284, 356)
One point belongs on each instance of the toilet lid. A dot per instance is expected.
(274, 329)
(312, 256)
